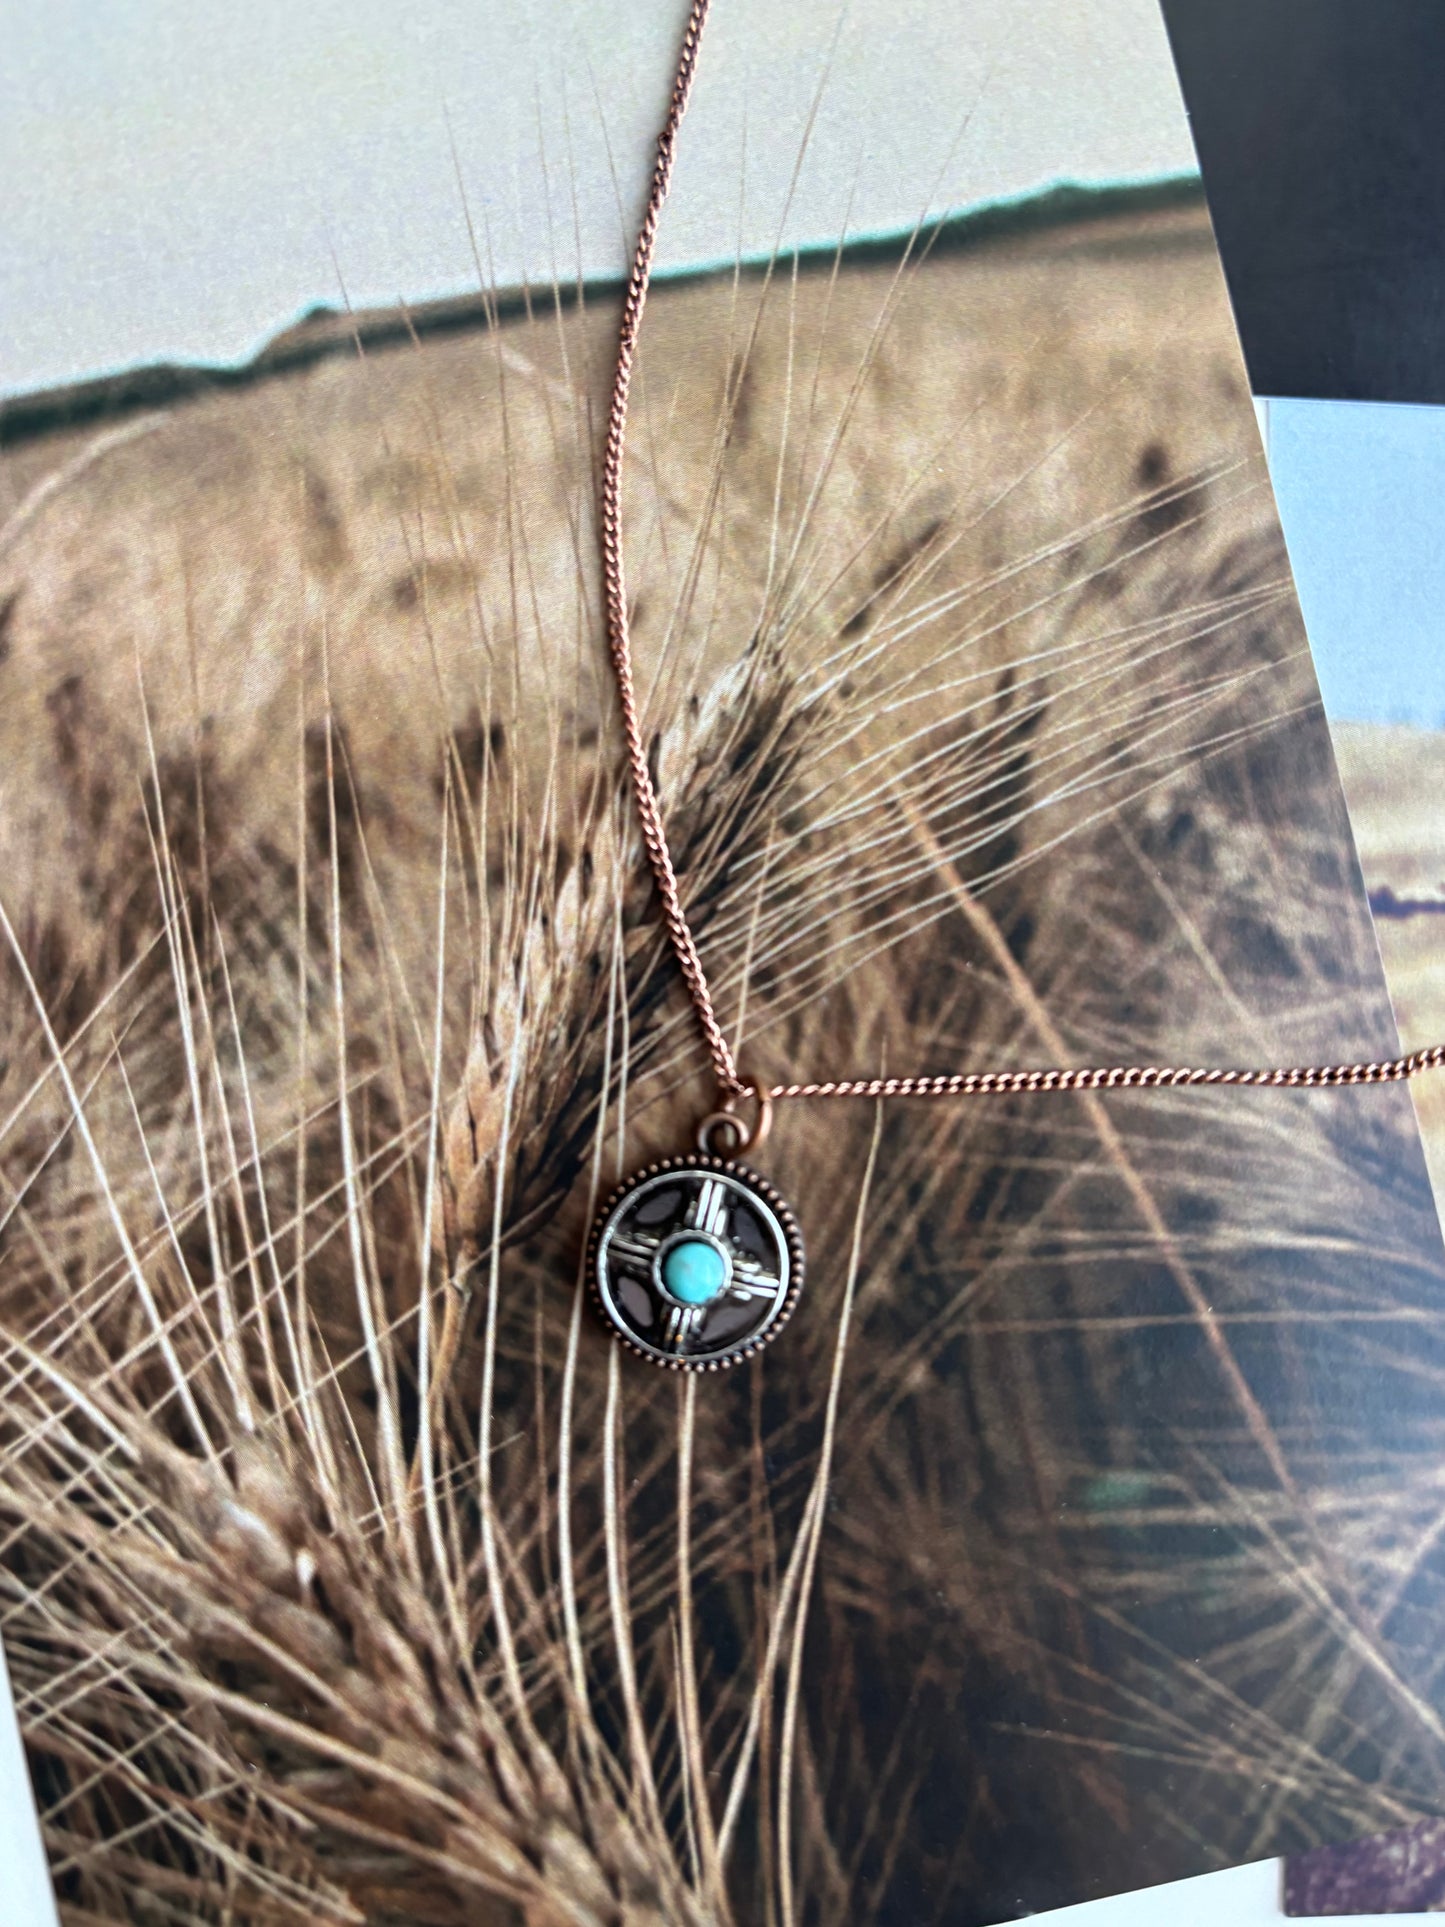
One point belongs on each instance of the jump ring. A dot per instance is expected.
(724, 1126)
(724, 1122)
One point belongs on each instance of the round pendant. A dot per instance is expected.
(695, 1263)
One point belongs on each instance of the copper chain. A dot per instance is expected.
(731, 1083)
(614, 579)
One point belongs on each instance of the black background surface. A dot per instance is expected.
(1320, 126)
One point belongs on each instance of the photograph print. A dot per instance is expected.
(1079, 1527)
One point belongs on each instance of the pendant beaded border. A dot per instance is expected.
(743, 1174)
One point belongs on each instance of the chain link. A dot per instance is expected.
(731, 1083)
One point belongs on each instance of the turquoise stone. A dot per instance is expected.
(694, 1271)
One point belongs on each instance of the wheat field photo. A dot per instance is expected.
(1391, 775)
(1084, 1528)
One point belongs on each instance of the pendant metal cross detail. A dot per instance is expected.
(695, 1263)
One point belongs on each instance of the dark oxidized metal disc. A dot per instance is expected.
(695, 1263)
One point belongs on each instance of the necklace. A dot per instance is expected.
(696, 1262)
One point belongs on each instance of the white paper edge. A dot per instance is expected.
(26, 1896)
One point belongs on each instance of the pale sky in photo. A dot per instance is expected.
(1359, 487)
(183, 177)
